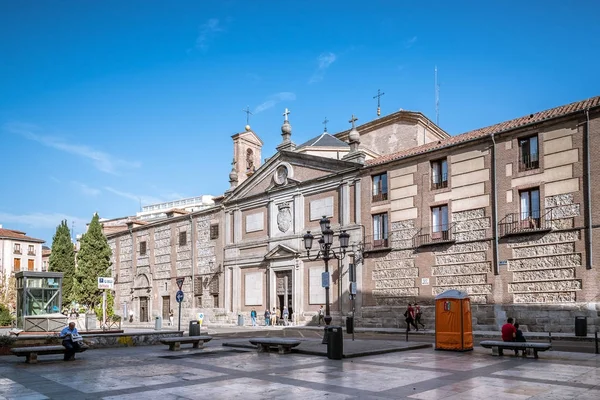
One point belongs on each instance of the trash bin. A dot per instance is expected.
(240, 320)
(580, 326)
(194, 329)
(158, 323)
(335, 343)
(349, 325)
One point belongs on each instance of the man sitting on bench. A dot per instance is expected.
(509, 332)
(71, 340)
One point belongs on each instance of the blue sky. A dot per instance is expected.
(103, 103)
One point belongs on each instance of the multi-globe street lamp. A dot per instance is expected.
(326, 253)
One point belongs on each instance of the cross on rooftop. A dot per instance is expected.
(378, 97)
(285, 114)
(248, 113)
(325, 123)
(353, 120)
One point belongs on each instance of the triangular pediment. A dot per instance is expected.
(299, 168)
(281, 251)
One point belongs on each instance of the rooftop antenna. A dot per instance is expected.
(140, 199)
(437, 99)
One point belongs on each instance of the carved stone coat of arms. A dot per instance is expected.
(284, 217)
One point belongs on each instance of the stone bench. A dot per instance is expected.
(31, 353)
(174, 343)
(283, 345)
(498, 346)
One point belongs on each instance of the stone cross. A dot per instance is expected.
(352, 120)
(285, 114)
(248, 113)
(325, 123)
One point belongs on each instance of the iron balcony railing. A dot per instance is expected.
(440, 182)
(437, 234)
(529, 161)
(377, 243)
(523, 223)
(379, 197)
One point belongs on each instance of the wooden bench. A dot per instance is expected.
(283, 345)
(175, 342)
(31, 353)
(498, 346)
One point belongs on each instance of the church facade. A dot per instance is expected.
(505, 213)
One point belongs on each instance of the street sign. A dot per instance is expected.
(179, 296)
(353, 288)
(325, 279)
(179, 282)
(106, 283)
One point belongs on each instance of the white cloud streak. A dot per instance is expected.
(410, 42)
(41, 220)
(208, 31)
(87, 190)
(273, 100)
(102, 161)
(145, 200)
(324, 61)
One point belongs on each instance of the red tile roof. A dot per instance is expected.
(487, 131)
(18, 235)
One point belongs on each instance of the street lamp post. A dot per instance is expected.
(326, 253)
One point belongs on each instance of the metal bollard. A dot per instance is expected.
(596, 341)
(407, 334)
(550, 337)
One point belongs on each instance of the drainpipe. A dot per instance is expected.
(193, 244)
(495, 207)
(588, 190)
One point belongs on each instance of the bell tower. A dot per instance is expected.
(247, 148)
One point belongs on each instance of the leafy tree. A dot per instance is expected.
(110, 301)
(5, 318)
(93, 261)
(62, 259)
(8, 291)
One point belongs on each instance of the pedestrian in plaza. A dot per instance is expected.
(253, 317)
(286, 316)
(273, 317)
(409, 315)
(267, 317)
(418, 315)
(320, 316)
(130, 315)
(519, 338)
(171, 317)
(71, 341)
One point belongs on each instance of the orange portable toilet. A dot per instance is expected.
(453, 325)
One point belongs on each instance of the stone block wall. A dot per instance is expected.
(162, 252)
(125, 265)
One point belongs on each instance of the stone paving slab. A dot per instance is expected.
(217, 372)
(356, 348)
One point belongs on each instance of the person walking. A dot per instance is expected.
(253, 317)
(418, 315)
(410, 317)
(321, 317)
(274, 317)
(171, 316)
(267, 317)
(286, 316)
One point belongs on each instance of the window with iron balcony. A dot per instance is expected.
(439, 174)
(31, 250)
(528, 153)
(17, 248)
(380, 230)
(380, 187)
(439, 223)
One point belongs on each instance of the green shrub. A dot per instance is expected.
(6, 319)
(7, 341)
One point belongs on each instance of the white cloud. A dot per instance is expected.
(208, 31)
(41, 220)
(145, 200)
(85, 189)
(102, 161)
(410, 42)
(324, 61)
(273, 100)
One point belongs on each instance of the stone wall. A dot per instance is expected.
(544, 265)
(162, 252)
(125, 265)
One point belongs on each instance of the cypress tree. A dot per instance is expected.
(93, 261)
(62, 259)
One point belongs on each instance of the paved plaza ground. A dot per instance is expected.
(218, 372)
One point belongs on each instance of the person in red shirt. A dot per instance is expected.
(509, 332)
